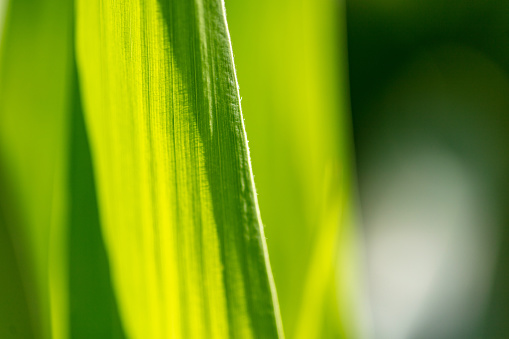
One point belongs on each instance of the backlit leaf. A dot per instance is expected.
(175, 189)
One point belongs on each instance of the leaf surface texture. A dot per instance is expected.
(175, 190)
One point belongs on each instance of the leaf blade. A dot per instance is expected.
(170, 151)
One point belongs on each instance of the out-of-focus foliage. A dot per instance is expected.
(35, 82)
(14, 310)
(429, 90)
(291, 67)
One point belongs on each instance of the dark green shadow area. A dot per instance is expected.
(15, 318)
(496, 324)
(93, 307)
(219, 123)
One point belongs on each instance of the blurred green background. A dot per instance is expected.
(426, 87)
(379, 135)
(430, 110)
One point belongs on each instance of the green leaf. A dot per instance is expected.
(47, 197)
(291, 59)
(93, 309)
(176, 195)
(35, 77)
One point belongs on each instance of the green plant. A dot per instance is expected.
(127, 192)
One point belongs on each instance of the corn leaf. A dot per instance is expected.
(291, 65)
(175, 190)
